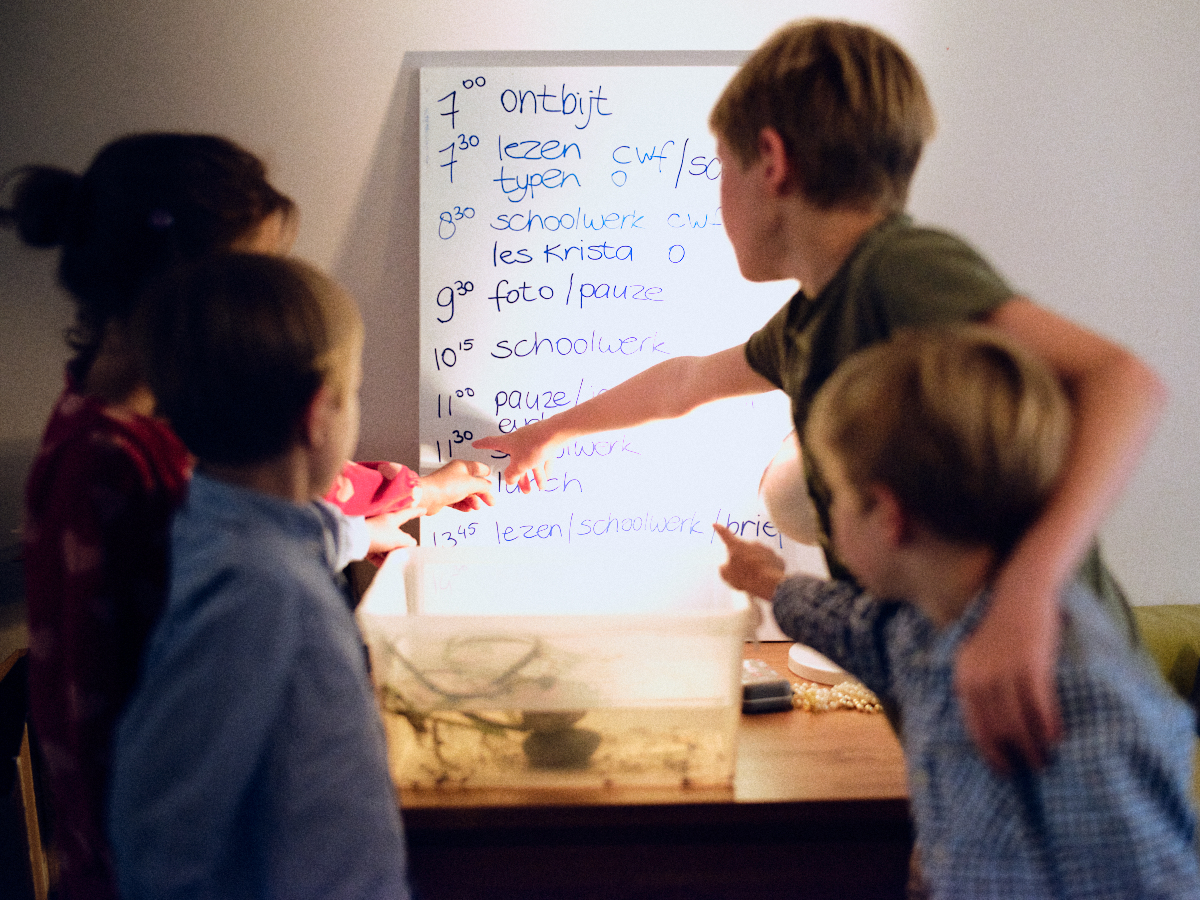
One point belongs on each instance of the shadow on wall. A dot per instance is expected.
(15, 459)
(379, 265)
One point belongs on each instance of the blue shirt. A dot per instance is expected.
(250, 760)
(1110, 816)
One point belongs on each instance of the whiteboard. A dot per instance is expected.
(570, 237)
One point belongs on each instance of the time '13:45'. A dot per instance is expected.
(452, 538)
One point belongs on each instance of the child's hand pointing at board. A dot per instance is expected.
(528, 449)
(667, 390)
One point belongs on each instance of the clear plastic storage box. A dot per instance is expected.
(503, 668)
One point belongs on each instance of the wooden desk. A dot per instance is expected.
(818, 809)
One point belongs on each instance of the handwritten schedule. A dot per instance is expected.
(570, 237)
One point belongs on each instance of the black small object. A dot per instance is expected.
(562, 748)
(764, 689)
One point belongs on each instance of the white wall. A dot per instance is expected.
(1066, 152)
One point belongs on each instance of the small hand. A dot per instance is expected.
(463, 485)
(752, 567)
(1004, 678)
(386, 534)
(528, 454)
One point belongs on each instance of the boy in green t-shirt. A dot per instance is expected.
(818, 135)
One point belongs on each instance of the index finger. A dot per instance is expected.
(488, 443)
(725, 535)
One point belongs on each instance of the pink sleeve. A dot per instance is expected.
(362, 490)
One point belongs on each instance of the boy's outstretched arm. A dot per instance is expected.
(751, 567)
(666, 391)
(1004, 674)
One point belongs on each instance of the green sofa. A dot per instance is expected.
(1171, 633)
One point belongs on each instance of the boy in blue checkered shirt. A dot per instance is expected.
(939, 447)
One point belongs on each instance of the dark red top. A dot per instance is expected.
(98, 505)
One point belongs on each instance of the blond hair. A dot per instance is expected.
(849, 104)
(968, 429)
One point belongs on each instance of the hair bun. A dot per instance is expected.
(44, 204)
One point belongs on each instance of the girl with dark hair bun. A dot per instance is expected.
(147, 202)
(109, 473)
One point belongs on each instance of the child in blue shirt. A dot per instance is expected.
(938, 448)
(250, 759)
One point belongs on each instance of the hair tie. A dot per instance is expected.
(160, 220)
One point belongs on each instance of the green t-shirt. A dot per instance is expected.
(899, 276)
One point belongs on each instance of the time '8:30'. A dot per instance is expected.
(448, 220)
